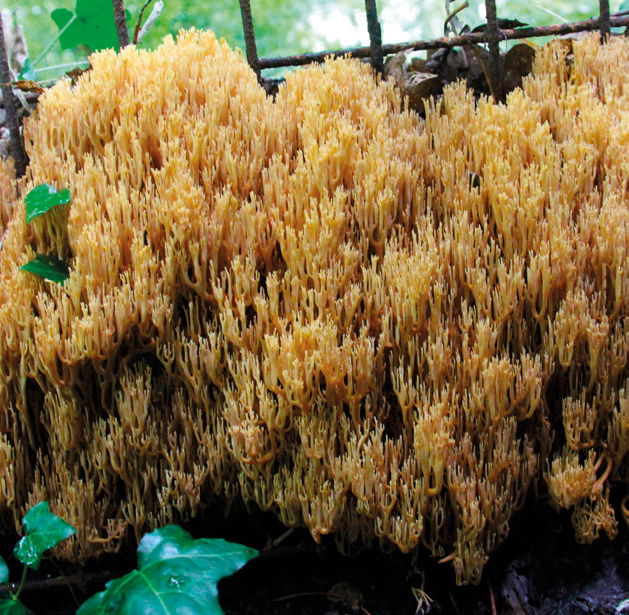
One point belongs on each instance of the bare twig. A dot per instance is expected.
(11, 107)
(492, 600)
(605, 25)
(250, 38)
(452, 20)
(493, 38)
(80, 580)
(140, 33)
(616, 21)
(375, 35)
(138, 25)
(120, 17)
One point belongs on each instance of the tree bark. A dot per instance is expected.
(493, 38)
(11, 107)
(605, 25)
(250, 38)
(120, 17)
(375, 35)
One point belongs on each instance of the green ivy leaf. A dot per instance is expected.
(42, 198)
(28, 72)
(48, 267)
(10, 605)
(4, 571)
(92, 24)
(176, 574)
(43, 531)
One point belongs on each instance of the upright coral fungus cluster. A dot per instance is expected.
(313, 304)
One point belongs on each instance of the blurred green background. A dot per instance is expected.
(286, 27)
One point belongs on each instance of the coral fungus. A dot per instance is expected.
(306, 303)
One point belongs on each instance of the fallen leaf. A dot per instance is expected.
(75, 73)
(26, 85)
(503, 24)
(518, 63)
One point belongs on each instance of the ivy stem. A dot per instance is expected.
(19, 589)
(60, 66)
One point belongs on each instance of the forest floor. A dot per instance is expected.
(539, 570)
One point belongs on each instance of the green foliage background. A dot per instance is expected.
(294, 26)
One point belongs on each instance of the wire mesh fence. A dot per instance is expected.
(494, 32)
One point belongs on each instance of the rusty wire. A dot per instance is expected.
(616, 21)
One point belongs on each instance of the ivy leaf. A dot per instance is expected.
(48, 267)
(4, 571)
(11, 606)
(91, 23)
(43, 531)
(28, 72)
(176, 574)
(42, 198)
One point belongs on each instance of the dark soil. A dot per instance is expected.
(540, 570)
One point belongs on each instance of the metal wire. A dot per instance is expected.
(616, 21)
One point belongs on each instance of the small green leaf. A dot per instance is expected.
(624, 6)
(42, 198)
(176, 574)
(43, 531)
(9, 605)
(28, 72)
(49, 268)
(91, 23)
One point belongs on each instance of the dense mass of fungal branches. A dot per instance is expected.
(376, 326)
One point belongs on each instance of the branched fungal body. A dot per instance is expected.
(306, 303)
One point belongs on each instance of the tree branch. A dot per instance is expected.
(250, 38)
(492, 35)
(120, 17)
(605, 25)
(375, 35)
